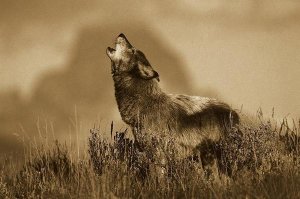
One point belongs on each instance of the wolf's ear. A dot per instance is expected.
(147, 72)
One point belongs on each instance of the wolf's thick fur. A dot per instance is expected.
(145, 107)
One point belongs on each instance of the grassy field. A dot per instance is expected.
(263, 161)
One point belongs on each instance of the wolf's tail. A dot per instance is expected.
(227, 117)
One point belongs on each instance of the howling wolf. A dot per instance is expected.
(148, 110)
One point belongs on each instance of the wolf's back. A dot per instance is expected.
(198, 108)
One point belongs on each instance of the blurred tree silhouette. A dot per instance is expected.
(86, 81)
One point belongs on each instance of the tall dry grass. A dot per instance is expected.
(260, 159)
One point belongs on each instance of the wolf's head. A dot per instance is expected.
(127, 60)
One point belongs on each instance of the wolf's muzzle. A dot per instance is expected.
(121, 39)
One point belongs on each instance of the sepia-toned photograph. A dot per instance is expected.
(149, 99)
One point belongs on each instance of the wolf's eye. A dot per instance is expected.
(133, 51)
(135, 66)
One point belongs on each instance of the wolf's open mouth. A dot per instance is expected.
(111, 50)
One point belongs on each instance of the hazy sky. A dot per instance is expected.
(247, 51)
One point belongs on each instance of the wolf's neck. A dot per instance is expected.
(131, 95)
(136, 87)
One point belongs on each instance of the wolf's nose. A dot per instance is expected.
(122, 35)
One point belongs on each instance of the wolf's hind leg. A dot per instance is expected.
(209, 158)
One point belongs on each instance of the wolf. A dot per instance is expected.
(190, 121)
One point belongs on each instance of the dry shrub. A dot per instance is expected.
(260, 161)
(255, 149)
(4, 192)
